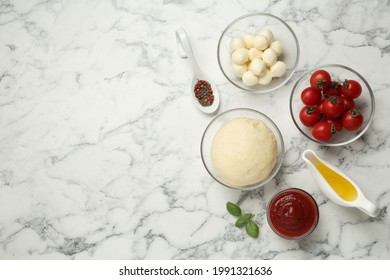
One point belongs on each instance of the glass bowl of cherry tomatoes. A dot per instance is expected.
(332, 105)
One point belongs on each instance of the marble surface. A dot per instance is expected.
(99, 139)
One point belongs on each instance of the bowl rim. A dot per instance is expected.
(370, 117)
(282, 22)
(309, 196)
(277, 166)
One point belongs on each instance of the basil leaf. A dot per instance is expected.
(233, 209)
(252, 229)
(243, 219)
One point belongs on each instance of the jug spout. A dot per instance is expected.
(368, 207)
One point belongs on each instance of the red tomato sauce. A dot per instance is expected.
(293, 213)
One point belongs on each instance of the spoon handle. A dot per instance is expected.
(185, 50)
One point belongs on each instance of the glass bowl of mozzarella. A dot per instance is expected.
(258, 52)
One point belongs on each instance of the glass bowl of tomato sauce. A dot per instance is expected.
(332, 105)
(292, 213)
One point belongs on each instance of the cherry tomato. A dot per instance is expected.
(323, 131)
(352, 119)
(309, 116)
(349, 103)
(351, 89)
(320, 80)
(311, 97)
(338, 124)
(321, 107)
(333, 107)
(334, 89)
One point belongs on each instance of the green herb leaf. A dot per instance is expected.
(243, 219)
(233, 209)
(252, 229)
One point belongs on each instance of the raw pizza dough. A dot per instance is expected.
(244, 152)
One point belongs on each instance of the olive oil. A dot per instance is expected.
(339, 184)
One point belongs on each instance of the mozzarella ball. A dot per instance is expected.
(277, 47)
(240, 56)
(260, 42)
(257, 67)
(269, 57)
(249, 79)
(238, 70)
(254, 53)
(278, 69)
(248, 40)
(236, 43)
(268, 34)
(266, 78)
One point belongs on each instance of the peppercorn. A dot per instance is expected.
(204, 93)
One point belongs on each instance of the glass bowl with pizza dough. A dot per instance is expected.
(242, 149)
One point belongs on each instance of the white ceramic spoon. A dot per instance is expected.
(185, 51)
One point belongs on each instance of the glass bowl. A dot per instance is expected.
(222, 119)
(254, 23)
(292, 213)
(365, 103)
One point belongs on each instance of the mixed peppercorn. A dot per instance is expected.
(204, 93)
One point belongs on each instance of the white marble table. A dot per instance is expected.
(99, 140)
